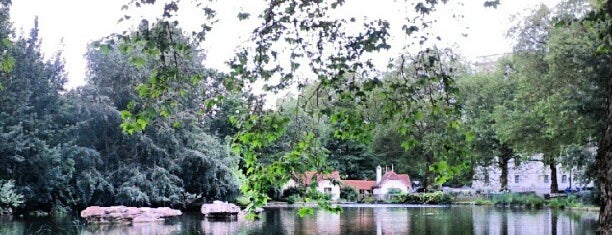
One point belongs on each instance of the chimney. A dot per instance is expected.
(378, 174)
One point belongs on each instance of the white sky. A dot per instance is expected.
(79, 22)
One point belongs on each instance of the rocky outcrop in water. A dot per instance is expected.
(123, 214)
(219, 209)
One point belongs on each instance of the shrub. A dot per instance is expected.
(482, 202)
(293, 198)
(348, 193)
(561, 203)
(423, 198)
(515, 199)
(293, 191)
(368, 199)
(242, 201)
(8, 197)
(533, 201)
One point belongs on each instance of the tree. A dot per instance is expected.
(424, 110)
(601, 17)
(481, 94)
(549, 110)
(322, 43)
(33, 155)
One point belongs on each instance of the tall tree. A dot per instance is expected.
(329, 47)
(33, 155)
(481, 94)
(549, 110)
(602, 17)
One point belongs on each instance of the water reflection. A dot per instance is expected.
(516, 221)
(354, 220)
(135, 229)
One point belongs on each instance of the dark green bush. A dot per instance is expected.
(482, 202)
(561, 203)
(293, 191)
(516, 199)
(348, 193)
(423, 198)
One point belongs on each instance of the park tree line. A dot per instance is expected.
(152, 126)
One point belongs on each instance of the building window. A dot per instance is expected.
(546, 180)
(564, 179)
(517, 179)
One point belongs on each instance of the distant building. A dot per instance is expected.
(390, 182)
(324, 182)
(363, 187)
(530, 176)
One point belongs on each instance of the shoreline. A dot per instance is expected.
(350, 204)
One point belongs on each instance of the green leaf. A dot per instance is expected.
(142, 123)
(138, 61)
(7, 43)
(470, 136)
(126, 114)
(304, 211)
(176, 124)
(105, 49)
(7, 63)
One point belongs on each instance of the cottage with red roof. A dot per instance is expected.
(325, 182)
(388, 183)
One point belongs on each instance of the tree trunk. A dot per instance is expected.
(604, 153)
(503, 178)
(554, 186)
(506, 154)
(428, 182)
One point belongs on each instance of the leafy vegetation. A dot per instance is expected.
(424, 198)
(519, 199)
(349, 193)
(9, 199)
(152, 126)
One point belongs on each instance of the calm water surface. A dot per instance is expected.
(354, 220)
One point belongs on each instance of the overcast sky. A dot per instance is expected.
(79, 22)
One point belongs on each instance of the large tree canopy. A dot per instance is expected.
(325, 50)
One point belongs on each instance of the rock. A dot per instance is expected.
(167, 212)
(219, 209)
(92, 210)
(123, 214)
(146, 217)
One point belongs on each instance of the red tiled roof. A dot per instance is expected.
(390, 175)
(307, 177)
(360, 184)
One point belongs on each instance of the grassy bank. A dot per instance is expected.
(533, 201)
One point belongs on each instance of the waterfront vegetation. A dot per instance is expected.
(353, 220)
(153, 126)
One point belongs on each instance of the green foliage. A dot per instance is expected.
(553, 69)
(482, 202)
(481, 94)
(424, 198)
(423, 119)
(565, 202)
(348, 193)
(8, 196)
(515, 199)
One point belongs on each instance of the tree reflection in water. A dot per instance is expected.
(358, 219)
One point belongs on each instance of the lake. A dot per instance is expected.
(356, 219)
